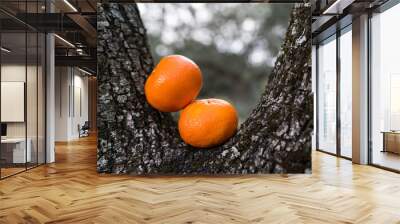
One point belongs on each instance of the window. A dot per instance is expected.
(334, 106)
(385, 89)
(327, 95)
(22, 77)
(346, 92)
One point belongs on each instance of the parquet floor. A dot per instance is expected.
(10, 171)
(70, 191)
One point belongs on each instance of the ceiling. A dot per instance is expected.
(74, 22)
(332, 15)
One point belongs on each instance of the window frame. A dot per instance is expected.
(381, 9)
(339, 32)
(31, 30)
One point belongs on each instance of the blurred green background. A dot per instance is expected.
(235, 45)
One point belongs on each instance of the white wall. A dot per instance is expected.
(70, 83)
(79, 117)
(14, 72)
(33, 126)
(17, 72)
(62, 82)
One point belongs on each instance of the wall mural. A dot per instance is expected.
(219, 90)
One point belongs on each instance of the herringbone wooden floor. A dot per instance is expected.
(70, 191)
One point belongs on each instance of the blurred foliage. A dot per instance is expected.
(235, 45)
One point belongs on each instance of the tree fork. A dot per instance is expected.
(134, 138)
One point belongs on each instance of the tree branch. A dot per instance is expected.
(137, 139)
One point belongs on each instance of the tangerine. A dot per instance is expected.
(174, 83)
(207, 123)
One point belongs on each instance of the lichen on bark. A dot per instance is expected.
(134, 138)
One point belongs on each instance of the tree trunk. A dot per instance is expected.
(137, 139)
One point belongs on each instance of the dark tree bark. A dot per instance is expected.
(137, 139)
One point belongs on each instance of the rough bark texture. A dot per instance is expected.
(137, 139)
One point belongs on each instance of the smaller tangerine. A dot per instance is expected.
(207, 123)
